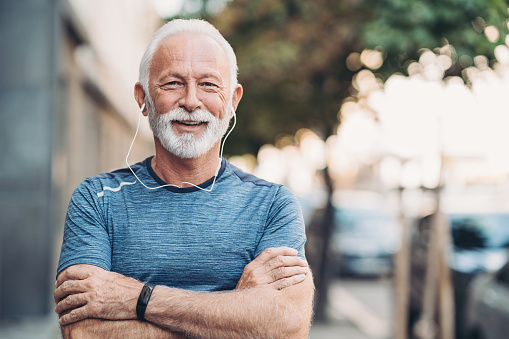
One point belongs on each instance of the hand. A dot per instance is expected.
(86, 291)
(277, 267)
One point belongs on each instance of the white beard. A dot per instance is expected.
(187, 145)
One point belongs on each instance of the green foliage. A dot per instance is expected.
(292, 53)
(404, 27)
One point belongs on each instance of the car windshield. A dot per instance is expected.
(476, 231)
(356, 220)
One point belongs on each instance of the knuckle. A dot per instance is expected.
(68, 285)
(284, 283)
(93, 309)
(65, 286)
(74, 315)
(269, 251)
(91, 284)
(68, 301)
(248, 267)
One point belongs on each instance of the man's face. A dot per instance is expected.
(189, 88)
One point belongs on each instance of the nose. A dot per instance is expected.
(190, 100)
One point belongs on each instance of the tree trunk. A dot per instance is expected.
(322, 270)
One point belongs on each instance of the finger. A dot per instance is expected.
(70, 302)
(253, 278)
(282, 261)
(272, 252)
(68, 287)
(73, 316)
(75, 272)
(287, 282)
(285, 272)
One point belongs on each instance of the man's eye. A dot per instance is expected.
(172, 83)
(209, 84)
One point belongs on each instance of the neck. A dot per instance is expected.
(174, 170)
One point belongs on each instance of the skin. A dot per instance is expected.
(189, 71)
(273, 297)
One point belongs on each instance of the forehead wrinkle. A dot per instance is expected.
(196, 49)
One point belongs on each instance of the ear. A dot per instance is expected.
(237, 95)
(139, 95)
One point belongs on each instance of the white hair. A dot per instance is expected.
(186, 26)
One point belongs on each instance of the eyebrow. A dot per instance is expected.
(208, 75)
(213, 76)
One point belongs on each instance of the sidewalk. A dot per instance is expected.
(336, 329)
(41, 328)
(357, 310)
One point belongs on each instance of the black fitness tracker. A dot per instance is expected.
(143, 299)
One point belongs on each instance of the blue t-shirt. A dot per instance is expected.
(179, 237)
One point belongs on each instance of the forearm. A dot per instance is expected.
(99, 328)
(253, 313)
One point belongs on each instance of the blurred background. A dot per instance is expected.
(387, 118)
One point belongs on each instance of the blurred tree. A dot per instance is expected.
(292, 54)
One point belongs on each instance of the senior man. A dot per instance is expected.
(184, 243)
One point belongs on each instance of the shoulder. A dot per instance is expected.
(113, 181)
(279, 194)
(248, 178)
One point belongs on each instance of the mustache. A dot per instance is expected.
(180, 114)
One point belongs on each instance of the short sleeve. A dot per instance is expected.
(86, 239)
(284, 225)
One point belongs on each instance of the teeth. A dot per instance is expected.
(190, 122)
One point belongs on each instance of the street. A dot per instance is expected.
(358, 309)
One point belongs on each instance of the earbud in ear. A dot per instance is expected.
(142, 108)
(233, 110)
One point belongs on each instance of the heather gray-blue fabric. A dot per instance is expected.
(179, 237)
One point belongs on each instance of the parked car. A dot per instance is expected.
(479, 241)
(478, 245)
(366, 236)
(487, 310)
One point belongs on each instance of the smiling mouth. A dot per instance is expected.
(190, 122)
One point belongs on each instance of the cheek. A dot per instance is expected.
(164, 101)
(216, 103)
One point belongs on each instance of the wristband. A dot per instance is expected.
(143, 299)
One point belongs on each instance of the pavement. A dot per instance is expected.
(34, 328)
(357, 309)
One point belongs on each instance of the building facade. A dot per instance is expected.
(67, 75)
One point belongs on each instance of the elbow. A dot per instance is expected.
(295, 320)
(296, 324)
(297, 316)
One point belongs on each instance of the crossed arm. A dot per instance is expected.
(273, 299)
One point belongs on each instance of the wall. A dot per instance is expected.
(67, 72)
